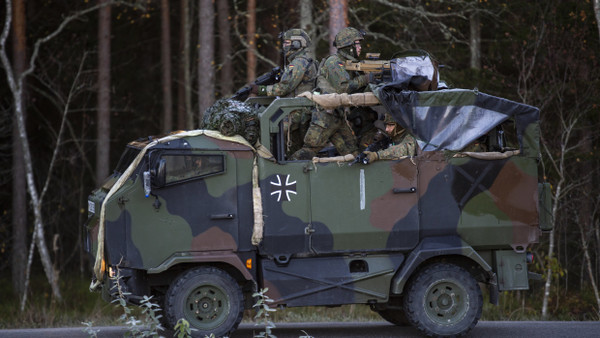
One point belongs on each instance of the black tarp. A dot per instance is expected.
(451, 119)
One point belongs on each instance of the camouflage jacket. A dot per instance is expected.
(299, 76)
(403, 144)
(334, 78)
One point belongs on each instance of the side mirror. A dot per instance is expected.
(159, 175)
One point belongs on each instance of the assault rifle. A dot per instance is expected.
(372, 65)
(382, 141)
(266, 79)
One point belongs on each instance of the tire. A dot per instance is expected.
(394, 316)
(394, 313)
(208, 298)
(443, 300)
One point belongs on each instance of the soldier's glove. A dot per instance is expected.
(371, 156)
(254, 89)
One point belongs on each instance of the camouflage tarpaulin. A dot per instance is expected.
(452, 119)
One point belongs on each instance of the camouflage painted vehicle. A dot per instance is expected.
(201, 221)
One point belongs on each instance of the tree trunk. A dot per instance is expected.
(19, 188)
(103, 146)
(206, 61)
(306, 22)
(185, 117)
(225, 49)
(338, 19)
(597, 13)
(165, 57)
(251, 39)
(475, 40)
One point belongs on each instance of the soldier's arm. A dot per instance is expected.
(290, 79)
(340, 79)
(407, 147)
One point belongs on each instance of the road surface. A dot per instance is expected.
(349, 330)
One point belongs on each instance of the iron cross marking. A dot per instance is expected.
(282, 187)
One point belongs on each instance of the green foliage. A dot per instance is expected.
(183, 329)
(89, 329)
(149, 325)
(263, 315)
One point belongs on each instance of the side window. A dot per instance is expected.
(185, 167)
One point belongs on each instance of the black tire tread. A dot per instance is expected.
(412, 311)
(211, 272)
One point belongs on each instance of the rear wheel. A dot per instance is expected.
(443, 300)
(208, 298)
(394, 312)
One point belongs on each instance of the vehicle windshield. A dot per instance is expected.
(128, 156)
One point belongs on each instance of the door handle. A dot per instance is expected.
(222, 216)
(404, 190)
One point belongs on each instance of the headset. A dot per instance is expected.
(298, 41)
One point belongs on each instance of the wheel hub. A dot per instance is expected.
(207, 306)
(446, 302)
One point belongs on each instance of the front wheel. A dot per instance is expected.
(443, 300)
(208, 298)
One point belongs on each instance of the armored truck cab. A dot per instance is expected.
(201, 221)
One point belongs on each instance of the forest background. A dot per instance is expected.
(80, 79)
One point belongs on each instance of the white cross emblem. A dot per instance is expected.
(280, 189)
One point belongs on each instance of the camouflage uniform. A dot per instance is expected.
(299, 76)
(402, 144)
(331, 124)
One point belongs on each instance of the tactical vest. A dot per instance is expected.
(309, 79)
(323, 85)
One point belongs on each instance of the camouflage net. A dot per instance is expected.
(231, 117)
(331, 101)
(100, 265)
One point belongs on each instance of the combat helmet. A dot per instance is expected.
(347, 36)
(299, 39)
(388, 119)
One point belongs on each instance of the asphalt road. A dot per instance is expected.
(350, 330)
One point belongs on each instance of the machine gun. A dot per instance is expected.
(381, 141)
(372, 65)
(267, 78)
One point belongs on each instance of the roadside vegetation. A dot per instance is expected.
(82, 306)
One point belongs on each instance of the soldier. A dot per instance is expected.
(402, 143)
(299, 76)
(331, 125)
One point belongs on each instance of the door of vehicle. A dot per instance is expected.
(195, 210)
(364, 207)
(286, 208)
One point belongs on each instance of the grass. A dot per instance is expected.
(79, 305)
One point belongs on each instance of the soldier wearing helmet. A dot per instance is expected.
(333, 77)
(301, 71)
(299, 76)
(402, 143)
(331, 125)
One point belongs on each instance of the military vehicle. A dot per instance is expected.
(201, 221)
